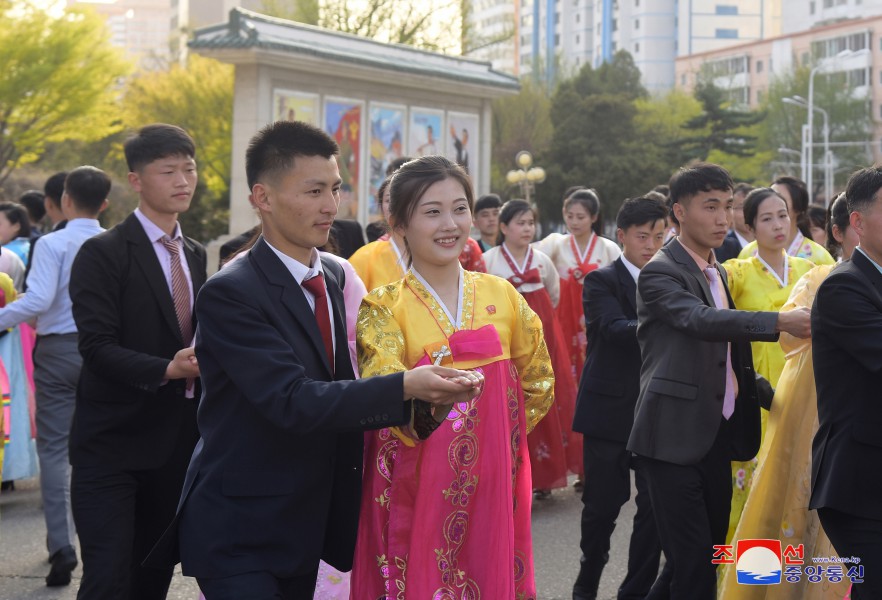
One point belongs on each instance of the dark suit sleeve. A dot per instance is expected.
(259, 361)
(96, 281)
(844, 306)
(666, 297)
(603, 308)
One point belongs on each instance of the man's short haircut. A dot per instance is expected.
(87, 187)
(54, 187)
(157, 141)
(273, 149)
(696, 178)
(862, 188)
(32, 200)
(487, 201)
(640, 211)
(742, 188)
(17, 215)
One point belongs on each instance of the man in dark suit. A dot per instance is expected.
(740, 234)
(698, 408)
(134, 425)
(847, 342)
(605, 406)
(275, 482)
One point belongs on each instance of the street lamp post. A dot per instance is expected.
(526, 176)
(809, 151)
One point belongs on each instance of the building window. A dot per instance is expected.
(759, 66)
(615, 25)
(759, 96)
(811, 8)
(614, 46)
(577, 39)
(636, 47)
(727, 9)
(727, 34)
(636, 23)
(557, 39)
(683, 79)
(880, 111)
(556, 18)
(636, 2)
(577, 17)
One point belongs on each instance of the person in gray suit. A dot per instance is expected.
(697, 409)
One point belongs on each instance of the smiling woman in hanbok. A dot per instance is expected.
(445, 508)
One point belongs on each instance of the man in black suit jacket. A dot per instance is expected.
(605, 406)
(847, 343)
(275, 482)
(698, 408)
(740, 234)
(134, 424)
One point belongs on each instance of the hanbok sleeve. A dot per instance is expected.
(381, 352)
(802, 296)
(530, 356)
(735, 271)
(551, 280)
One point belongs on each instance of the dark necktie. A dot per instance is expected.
(180, 291)
(316, 287)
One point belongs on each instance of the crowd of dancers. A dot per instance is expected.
(329, 419)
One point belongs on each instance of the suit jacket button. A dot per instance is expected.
(370, 419)
(385, 417)
(363, 422)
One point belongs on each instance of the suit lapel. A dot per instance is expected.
(145, 257)
(869, 271)
(338, 311)
(290, 296)
(627, 285)
(679, 254)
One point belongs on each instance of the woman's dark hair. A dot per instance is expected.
(753, 201)
(589, 200)
(799, 202)
(17, 215)
(817, 216)
(413, 178)
(509, 211)
(839, 216)
(381, 225)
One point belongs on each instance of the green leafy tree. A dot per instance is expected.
(422, 24)
(520, 122)
(59, 81)
(198, 97)
(596, 140)
(720, 126)
(661, 123)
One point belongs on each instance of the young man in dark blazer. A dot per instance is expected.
(134, 424)
(740, 234)
(698, 408)
(605, 406)
(847, 343)
(275, 482)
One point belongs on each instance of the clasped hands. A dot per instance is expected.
(442, 386)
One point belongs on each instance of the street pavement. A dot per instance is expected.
(23, 559)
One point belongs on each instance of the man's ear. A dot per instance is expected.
(679, 210)
(260, 197)
(135, 181)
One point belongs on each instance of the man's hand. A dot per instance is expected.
(183, 365)
(797, 323)
(440, 385)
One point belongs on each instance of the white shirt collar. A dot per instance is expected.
(741, 239)
(298, 270)
(154, 233)
(632, 269)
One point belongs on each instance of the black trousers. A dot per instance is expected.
(691, 506)
(259, 586)
(608, 467)
(854, 536)
(119, 516)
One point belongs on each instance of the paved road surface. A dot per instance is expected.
(555, 539)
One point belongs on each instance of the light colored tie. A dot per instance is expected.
(180, 291)
(713, 277)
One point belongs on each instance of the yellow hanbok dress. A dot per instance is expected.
(777, 506)
(754, 288)
(802, 247)
(378, 263)
(449, 515)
